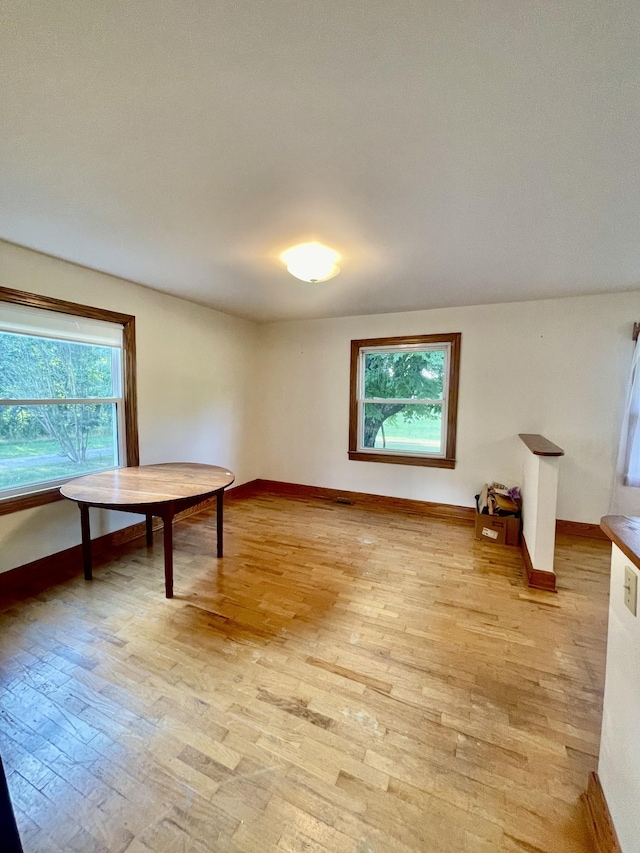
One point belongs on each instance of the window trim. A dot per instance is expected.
(15, 503)
(448, 460)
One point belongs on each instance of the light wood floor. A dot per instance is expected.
(344, 680)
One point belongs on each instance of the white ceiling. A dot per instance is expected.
(453, 151)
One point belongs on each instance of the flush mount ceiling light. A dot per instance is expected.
(311, 262)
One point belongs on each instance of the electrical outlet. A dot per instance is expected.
(630, 589)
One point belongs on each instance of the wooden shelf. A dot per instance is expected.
(541, 446)
(625, 533)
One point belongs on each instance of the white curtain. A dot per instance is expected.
(625, 498)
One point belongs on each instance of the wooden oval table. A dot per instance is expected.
(151, 490)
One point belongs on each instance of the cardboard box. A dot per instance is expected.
(502, 530)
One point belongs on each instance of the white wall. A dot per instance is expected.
(539, 487)
(556, 367)
(196, 389)
(619, 763)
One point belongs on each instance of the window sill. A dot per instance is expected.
(424, 461)
(33, 499)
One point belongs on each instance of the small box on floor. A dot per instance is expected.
(503, 530)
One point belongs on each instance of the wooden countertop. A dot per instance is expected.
(540, 446)
(624, 532)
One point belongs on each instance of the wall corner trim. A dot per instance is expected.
(598, 818)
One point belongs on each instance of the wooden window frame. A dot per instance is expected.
(15, 503)
(454, 339)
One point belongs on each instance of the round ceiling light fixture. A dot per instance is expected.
(311, 262)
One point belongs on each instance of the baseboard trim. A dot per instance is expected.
(439, 510)
(536, 579)
(370, 501)
(63, 565)
(58, 567)
(580, 528)
(246, 490)
(598, 817)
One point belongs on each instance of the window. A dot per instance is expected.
(629, 455)
(67, 395)
(404, 400)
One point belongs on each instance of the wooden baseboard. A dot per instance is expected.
(535, 578)
(59, 567)
(63, 565)
(461, 513)
(363, 499)
(580, 528)
(598, 818)
(246, 490)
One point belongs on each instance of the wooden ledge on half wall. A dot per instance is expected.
(624, 531)
(539, 445)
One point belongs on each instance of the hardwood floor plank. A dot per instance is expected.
(344, 679)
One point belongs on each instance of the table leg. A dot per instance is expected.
(167, 521)
(86, 542)
(219, 497)
(149, 531)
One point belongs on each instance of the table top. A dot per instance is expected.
(148, 484)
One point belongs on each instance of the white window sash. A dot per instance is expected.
(60, 401)
(404, 401)
(632, 451)
(362, 400)
(38, 322)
